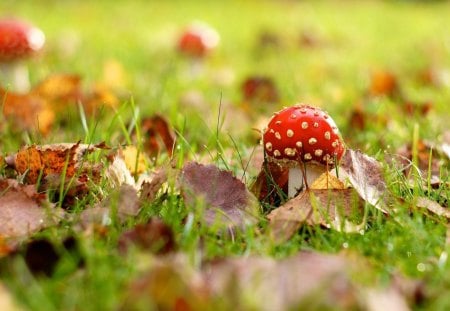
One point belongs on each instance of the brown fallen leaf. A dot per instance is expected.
(327, 181)
(384, 82)
(259, 89)
(155, 236)
(304, 281)
(227, 201)
(149, 189)
(365, 174)
(332, 208)
(39, 161)
(433, 207)
(98, 98)
(271, 179)
(26, 111)
(59, 90)
(24, 212)
(424, 149)
(156, 129)
(120, 205)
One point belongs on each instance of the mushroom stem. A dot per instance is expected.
(297, 178)
(16, 75)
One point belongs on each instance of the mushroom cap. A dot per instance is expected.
(302, 133)
(197, 40)
(19, 40)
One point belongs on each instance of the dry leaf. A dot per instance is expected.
(227, 200)
(27, 111)
(365, 174)
(327, 181)
(383, 83)
(120, 205)
(154, 236)
(100, 97)
(23, 212)
(134, 159)
(44, 160)
(154, 130)
(150, 188)
(271, 179)
(295, 283)
(59, 90)
(259, 89)
(331, 208)
(433, 207)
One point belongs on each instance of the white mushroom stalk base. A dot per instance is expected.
(15, 77)
(297, 181)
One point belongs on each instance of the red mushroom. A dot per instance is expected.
(197, 40)
(305, 139)
(18, 40)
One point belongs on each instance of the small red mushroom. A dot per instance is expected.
(18, 40)
(305, 139)
(197, 40)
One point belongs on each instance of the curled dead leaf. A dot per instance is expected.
(365, 174)
(332, 208)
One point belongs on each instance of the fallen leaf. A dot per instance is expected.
(433, 207)
(383, 82)
(98, 98)
(327, 181)
(227, 201)
(24, 212)
(26, 111)
(155, 236)
(365, 174)
(150, 188)
(424, 162)
(43, 160)
(155, 129)
(377, 299)
(170, 283)
(271, 179)
(135, 160)
(333, 208)
(119, 205)
(259, 89)
(304, 281)
(59, 90)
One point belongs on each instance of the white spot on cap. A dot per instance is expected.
(318, 152)
(299, 144)
(327, 135)
(303, 110)
(269, 146)
(312, 141)
(304, 125)
(316, 124)
(290, 152)
(316, 113)
(278, 135)
(271, 131)
(307, 156)
(293, 116)
(334, 144)
(290, 133)
(277, 153)
(278, 122)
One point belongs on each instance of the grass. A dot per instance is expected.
(401, 36)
